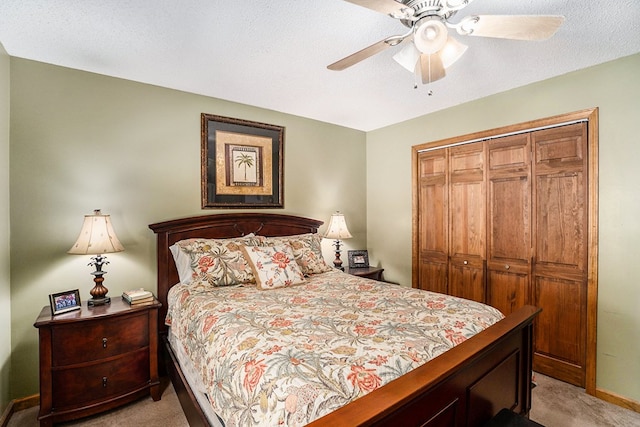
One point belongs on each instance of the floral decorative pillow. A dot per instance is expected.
(219, 262)
(307, 251)
(273, 266)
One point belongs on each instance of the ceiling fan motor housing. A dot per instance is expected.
(445, 9)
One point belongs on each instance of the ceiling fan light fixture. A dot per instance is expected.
(452, 51)
(430, 35)
(408, 57)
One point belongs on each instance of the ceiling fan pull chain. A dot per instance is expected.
(430, 92)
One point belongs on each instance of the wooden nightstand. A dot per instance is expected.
(374, 273)
(96, 358)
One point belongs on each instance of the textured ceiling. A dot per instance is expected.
(273, 53)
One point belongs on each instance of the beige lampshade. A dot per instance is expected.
(337, 227)
(96, 236)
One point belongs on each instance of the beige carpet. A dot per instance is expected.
(144, 412)
(555, 404)
(558, 404)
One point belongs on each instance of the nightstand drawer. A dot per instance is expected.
(93, 340)
(98, 381)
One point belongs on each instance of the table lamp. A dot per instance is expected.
(97, 237)
(337, 230)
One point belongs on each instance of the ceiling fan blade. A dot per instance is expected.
(388, 7)
(517, 27)
(431, 67)
(365, 53)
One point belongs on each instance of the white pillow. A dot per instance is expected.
(183, 264)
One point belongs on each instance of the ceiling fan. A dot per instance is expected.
(433, 49)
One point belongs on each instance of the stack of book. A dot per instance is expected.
(138, 297)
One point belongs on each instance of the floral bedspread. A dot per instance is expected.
(291, 355)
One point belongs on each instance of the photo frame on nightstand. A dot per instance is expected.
(63, 302)
(358, 259)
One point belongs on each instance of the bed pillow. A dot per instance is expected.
(219, 262)
(273, 266)
(307, 251)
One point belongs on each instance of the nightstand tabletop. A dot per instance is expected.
(117, 307)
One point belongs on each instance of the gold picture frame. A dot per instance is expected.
(241, 163)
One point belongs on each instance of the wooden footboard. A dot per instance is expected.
(465, 386)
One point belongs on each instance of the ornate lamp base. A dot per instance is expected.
(99, 292)
(99, 301)
(337, 263)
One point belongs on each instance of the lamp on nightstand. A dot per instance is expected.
(337, 230)
(97, 237)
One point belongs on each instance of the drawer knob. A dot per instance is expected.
(506, 267)
(465, 262)
(104, 382)
(104, 343)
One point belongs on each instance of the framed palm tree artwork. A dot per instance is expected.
(242, 163)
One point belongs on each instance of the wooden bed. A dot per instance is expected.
(465, 386)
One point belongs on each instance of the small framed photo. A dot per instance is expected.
(358, 259)
(63, 302)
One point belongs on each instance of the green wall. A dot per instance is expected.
(614, 87)
(82, 141)
(5, 300)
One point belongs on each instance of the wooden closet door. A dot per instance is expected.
(509, 223)
(467, 207)
(433, 221)
(560, 248)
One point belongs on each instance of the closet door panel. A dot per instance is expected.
(561, 221)
(509, 217)
(467, 201)
(466, 279)
(507, 291)
(510, 154)
(467, 219)
(509, 220)
(433, 276)
(560, 251)
(561, 200)
(433, 221)
(561, 148)
(509, 223)
(560, 338)
(433, 204)
(467, 213)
